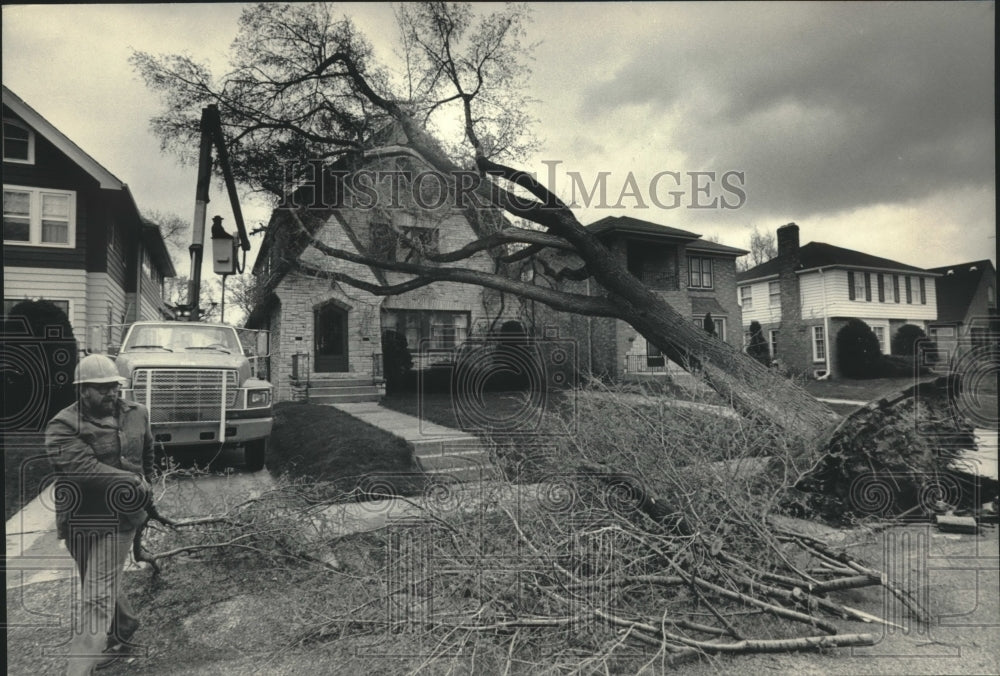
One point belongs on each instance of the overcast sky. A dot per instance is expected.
(869, 125)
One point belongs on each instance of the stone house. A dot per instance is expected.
(805, 295)
(696, 277)
(325, 334)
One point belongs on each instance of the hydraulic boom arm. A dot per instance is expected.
(211, 134)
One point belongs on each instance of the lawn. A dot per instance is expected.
(859, 390)
(494, 413)
(311, 441)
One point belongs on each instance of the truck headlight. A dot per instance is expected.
(257, 398)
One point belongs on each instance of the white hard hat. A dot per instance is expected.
(97, 369)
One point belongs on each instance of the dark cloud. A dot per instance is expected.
(825, 106)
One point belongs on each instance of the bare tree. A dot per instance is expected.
(305, 86)
(762, 249)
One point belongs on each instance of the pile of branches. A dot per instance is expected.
(896, 457)
(654, 537)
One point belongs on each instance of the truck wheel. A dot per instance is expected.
(254, 453)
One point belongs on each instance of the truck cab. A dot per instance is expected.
(196, 380)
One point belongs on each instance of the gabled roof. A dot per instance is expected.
(105, 178)
(956, 287)
(820, 255)
(635, 226)
(638, 227)
(715, 248)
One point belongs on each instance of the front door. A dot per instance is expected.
(330, 323)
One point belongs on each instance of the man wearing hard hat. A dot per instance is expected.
(102, 450)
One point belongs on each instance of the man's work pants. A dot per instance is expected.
(101, 608)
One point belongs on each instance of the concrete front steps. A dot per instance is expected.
(452, 458)
(331, 390)
(439, 451)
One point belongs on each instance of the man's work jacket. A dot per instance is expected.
(96, 464)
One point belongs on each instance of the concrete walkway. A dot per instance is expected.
(436, 449)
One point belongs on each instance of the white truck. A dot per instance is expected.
(196, 380)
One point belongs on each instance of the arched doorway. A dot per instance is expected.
(330, 338)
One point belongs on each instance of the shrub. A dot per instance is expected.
(396, 359)
(858, 352)
(708, 323)
(758, 348)
(48, 356)
(905, 340)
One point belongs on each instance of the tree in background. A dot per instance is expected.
(763, 248)
(858, 352)
(708, 324)
(176, 233)
(757, 347)
(905, 339)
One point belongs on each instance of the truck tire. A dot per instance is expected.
(254, 454)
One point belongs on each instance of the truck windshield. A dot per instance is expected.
(182, 336)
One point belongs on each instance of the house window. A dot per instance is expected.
(923, 291)
(855, 285)
(9, 303)
(909, 290)
(774, 294)
(18, 143)
(991, 298)
(772, 342)
(429, 329)
(720, 327)
(700, 272)
(425, 239)
(746, 297)
(39, 217)
(879, 332)
(718, 324)
(147, 265)
(887, 293)
(819, 344)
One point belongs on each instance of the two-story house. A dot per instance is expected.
(966, 305)
(72, 232)
(696, 277)
(805, 295)
(326, 335)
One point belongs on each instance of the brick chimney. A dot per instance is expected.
(794, 348)
(788, 242)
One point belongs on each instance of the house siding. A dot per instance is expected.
(51, 284)
(52, 169)
(839, 304)
(761, 311)
(106, 298)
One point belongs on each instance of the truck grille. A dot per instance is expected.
(185, 395)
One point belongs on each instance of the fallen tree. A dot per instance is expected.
(598, 577)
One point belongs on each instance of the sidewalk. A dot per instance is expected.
(35, 554)
(436, 449)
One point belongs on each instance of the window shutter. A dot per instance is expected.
(923, 292)
(895, 287)
(881, 288)
(868, 286)
(850, 285)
